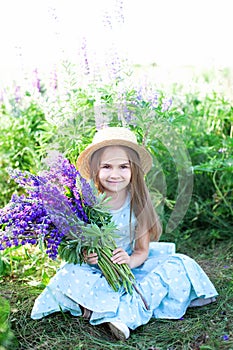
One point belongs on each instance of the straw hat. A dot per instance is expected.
(113, 136)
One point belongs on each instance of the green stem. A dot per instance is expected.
(117, 275)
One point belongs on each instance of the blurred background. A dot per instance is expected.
(162, 32)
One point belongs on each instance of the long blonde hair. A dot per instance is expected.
(141, 204)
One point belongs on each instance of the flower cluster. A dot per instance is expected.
(64, 213)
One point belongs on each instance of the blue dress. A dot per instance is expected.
(167, 284)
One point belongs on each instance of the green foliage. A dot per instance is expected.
(194, 134)
(208, 137)
(7, 339)
(22, 142)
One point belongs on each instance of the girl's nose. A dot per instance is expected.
(114, 173)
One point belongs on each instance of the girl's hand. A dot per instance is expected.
(91, 258)
(120, 256)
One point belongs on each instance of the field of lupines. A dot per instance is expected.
(188, 128)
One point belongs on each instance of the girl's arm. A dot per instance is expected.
(139, 255)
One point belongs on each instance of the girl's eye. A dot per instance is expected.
(105, 166)
(124, 166)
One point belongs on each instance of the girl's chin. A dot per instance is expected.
(114, 189)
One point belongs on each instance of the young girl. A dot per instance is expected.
(167, 283)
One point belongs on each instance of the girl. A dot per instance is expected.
(167, 283)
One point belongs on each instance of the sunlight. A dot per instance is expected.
(40, 34)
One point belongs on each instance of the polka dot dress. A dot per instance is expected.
(166, 285)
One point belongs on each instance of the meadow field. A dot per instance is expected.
(184, 115)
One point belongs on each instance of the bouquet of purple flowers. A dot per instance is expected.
(64, 213)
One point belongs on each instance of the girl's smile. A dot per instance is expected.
(115, 171)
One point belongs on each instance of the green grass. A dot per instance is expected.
(200, 328)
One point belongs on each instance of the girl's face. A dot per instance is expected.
(115, 170)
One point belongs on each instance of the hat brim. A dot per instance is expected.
(83, 161)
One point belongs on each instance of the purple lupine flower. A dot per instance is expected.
(36, 81)
(225, 337)
(107, 20)
(21, 218)
(86, 68)
(1, 96)
(222, 150)
(23, 178)
(154, 100)
(125, 115)
(17, 94)
(64, 173)
(88, 195)
(60, 209)
(139, 94)
(54, 81)
(61, 172)
(166, 104)
(53, 209)
(113, 63)
(119, 11)
(128, 114)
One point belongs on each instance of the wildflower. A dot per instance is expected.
(225, 337)
(166, 104)
(17, 94)
(139, 94)
(222, 150)
(36, 81)
(1, 96)
(154, 101)
(107, 20)
(54, 80)
(64, 213)
(86, 68)
(119, 13)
